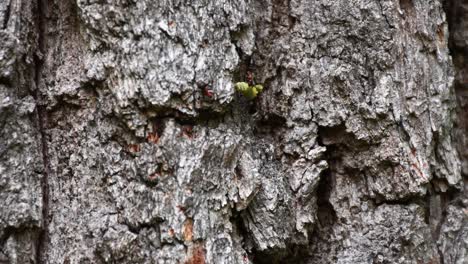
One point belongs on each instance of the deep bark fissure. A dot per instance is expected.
(8, 232)
(242, 232)
(41, 115)
(457, 13)
(326, 215)
(331, 138)
(7, 16)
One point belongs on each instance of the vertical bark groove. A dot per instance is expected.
(41, 114)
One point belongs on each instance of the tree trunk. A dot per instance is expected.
(123, 139)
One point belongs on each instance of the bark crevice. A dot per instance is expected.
(7, 15)
(41, 115)
(457, 18)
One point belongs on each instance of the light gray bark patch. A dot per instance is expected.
(21, 163)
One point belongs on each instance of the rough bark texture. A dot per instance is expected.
(123, 140)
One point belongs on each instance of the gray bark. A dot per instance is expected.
(123, 139)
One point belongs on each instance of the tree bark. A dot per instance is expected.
(123, 139)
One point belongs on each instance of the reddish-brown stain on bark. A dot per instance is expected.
(181, 208)
(188, 230)
(198, 256)
(154, 176)
(153, 137)
(187, 131)
(440, 34)
(208, 92)
(134, 148)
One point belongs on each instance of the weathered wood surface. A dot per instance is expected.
(123, 140)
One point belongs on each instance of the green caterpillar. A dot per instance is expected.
(248, 91)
